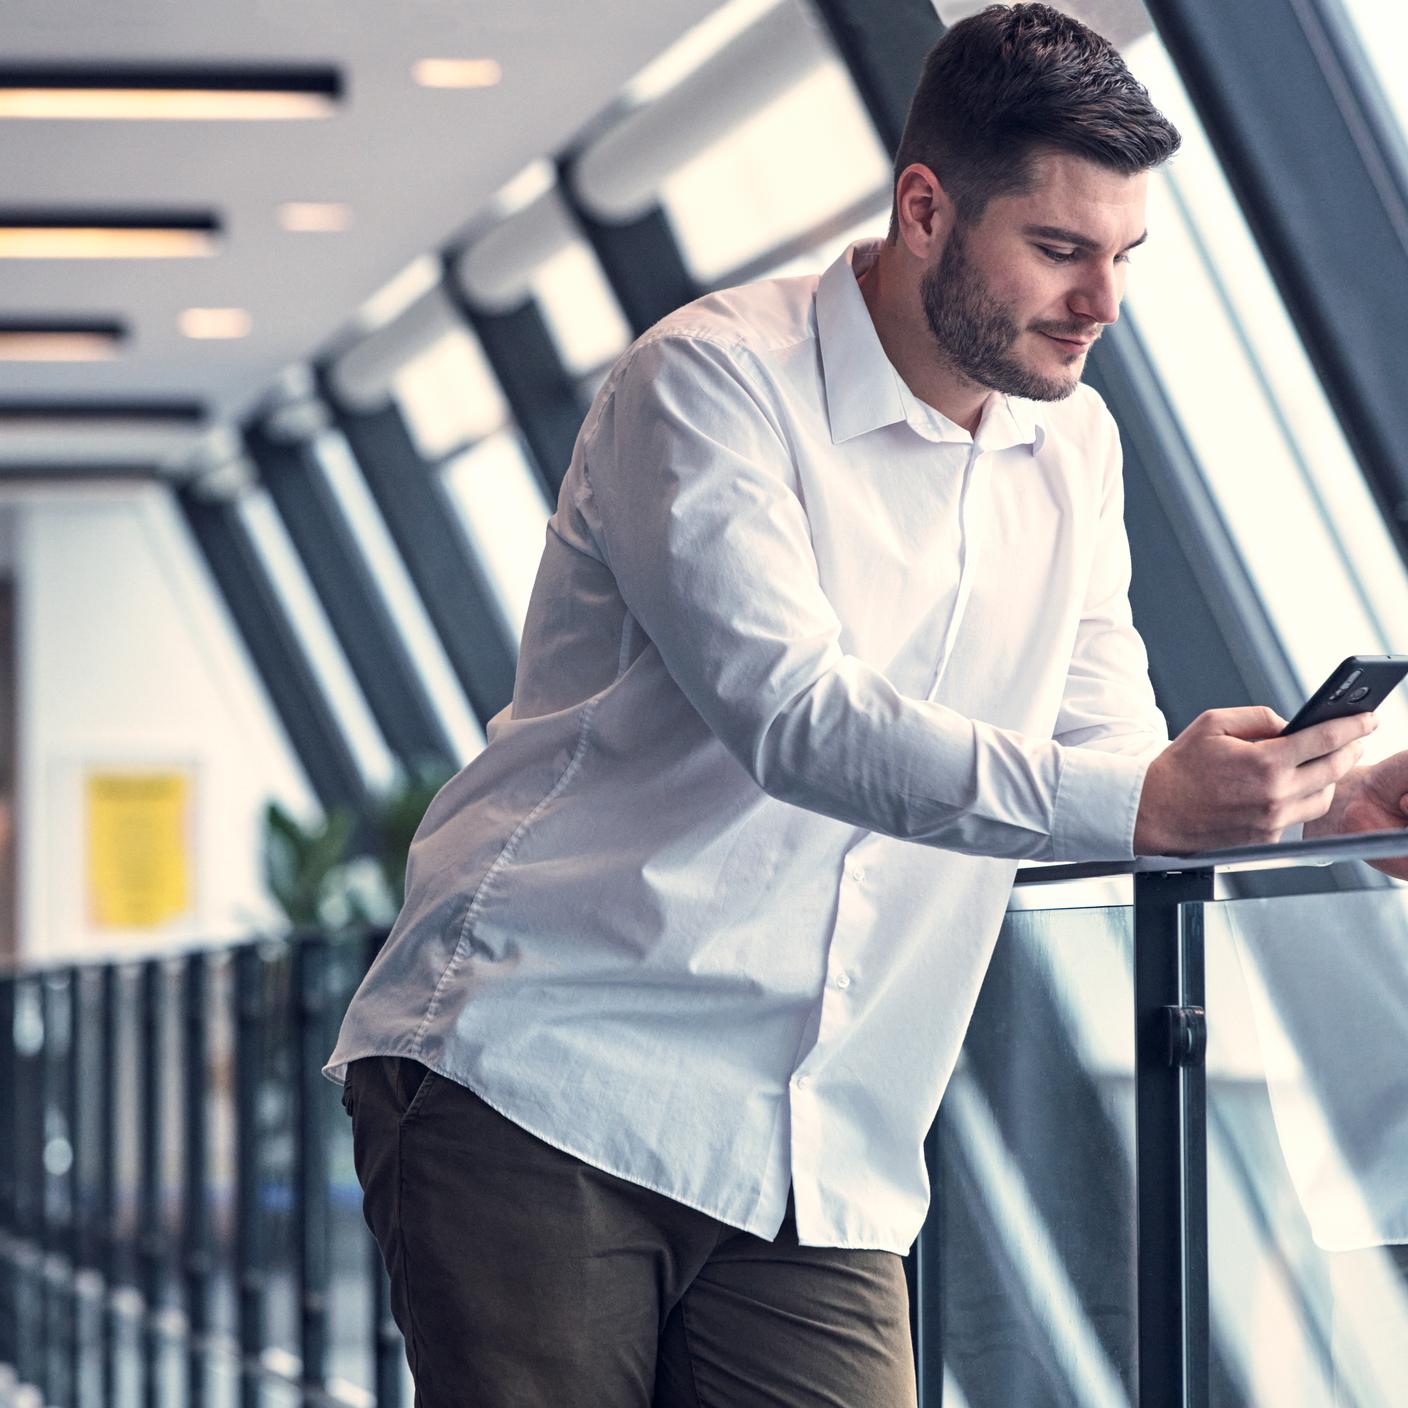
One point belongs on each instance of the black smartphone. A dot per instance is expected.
(1355, 686)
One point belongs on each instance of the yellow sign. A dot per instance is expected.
(139, 862)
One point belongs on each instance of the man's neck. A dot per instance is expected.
(904, 333)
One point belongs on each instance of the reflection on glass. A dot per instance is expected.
(1033, 1182)
(1308, 1147)
(504, 512)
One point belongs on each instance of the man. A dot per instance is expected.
(830, 631)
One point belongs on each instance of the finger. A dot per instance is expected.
(1310, 808)
(1320, 739)
(1325, 772)
(1249, 721)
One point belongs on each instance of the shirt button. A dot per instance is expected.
(858, 873)
(843, 980)
(800, 1081)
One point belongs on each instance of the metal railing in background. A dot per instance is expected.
(179, 1217)
(180, 1221)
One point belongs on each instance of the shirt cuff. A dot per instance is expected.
(1097, 802)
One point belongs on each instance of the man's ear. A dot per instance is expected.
(924, 212)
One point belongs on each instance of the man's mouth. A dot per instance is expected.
(1076, 344)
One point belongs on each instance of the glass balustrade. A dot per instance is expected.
(1131, 1205)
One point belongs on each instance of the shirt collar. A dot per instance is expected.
(863, 389)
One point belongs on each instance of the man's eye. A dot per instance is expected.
(1057, 256)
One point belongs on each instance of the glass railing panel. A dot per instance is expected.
(1307, 1103)
(1033, 1172)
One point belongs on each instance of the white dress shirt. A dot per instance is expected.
(806, 671)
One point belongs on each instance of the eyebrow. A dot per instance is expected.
(1057, 232)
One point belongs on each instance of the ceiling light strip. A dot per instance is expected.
(29, 234)
(168, 93)
(59, 340)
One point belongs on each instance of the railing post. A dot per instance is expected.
(9, 1136)
(310, 1182)
(1171, 1138)
(195, 1226)
(249, 1238)
(386, 1337)
(108, 1213)
(29, 1181)
(75, 1214)
(149, 1234)
(86, 1057)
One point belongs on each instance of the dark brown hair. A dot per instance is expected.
(1010, 81)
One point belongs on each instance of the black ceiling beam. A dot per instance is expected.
(1311, 151)
(458, 597)
(360, 619)
(276, 650)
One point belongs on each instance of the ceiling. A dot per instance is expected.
(414, 164)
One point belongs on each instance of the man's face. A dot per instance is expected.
(1015, 299)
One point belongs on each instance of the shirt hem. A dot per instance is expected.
(559, 1144)
(563, 1147)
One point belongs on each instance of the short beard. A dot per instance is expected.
(974, 333)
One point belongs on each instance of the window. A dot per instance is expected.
(1383, 30)
(798, 160)
(324, 653)
(579, 308)
(402, 600)
(449, 395)
(504, 513)
(1232, 364)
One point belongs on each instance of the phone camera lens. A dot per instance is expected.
(1355, 695)
(1345, 683)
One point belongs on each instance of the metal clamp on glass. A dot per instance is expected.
(1187, 1035)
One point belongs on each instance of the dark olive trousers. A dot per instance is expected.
(522, 1277)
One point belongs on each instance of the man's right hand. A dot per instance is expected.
(1229, 780)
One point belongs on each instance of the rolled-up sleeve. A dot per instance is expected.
(688, 488)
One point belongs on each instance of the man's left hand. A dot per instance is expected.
(1370, 799)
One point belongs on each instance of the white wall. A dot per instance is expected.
(127, 656)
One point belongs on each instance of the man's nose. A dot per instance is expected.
(1098, 297)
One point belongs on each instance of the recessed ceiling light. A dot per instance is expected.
(314, 217)
(59, 341)
(215, 322)
(74, 235)
(457, 73)
(128, 92)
